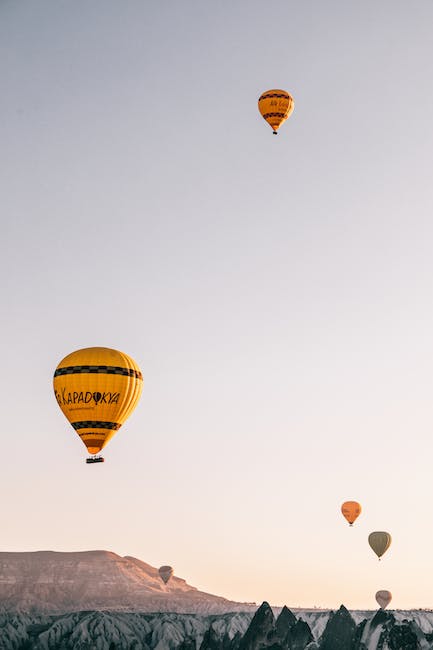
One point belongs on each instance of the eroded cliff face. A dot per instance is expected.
(91, 630)
(121, 631)
(99, 600)
(51, 582)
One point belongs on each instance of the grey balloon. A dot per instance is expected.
(165, 572)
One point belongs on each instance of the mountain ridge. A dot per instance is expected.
(57, 581)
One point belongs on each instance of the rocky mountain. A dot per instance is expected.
(308, 630)
(100, 601)
(51, 582)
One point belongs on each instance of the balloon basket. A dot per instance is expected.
(95, 459)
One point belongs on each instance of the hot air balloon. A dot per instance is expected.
(379, 542)
(275, 107)
(351, 511)
(97, 389)
(165, 572)
(383, 597)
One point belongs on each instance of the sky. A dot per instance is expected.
(276, 292)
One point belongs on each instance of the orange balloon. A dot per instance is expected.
(351, 511)
(275, 107)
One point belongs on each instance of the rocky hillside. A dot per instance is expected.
(306, 630)
(50, 582)
(97, 600)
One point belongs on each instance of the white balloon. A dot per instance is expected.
(383, 597)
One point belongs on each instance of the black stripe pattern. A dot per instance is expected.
(103, 370)
(270, 95)
(95, 424)
(266, 115)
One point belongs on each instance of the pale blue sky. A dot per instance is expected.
(275, 291)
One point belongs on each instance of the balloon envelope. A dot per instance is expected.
(383, 597)
(275, 107)
(165, 572)
(97, 389)
(351, 510)
(379, 542)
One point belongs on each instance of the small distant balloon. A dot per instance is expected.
(275, 107)
(379, 542)
(165, 572)
(383, 598)
(351, 511)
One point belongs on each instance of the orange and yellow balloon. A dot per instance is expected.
(351, 511)
(275, 107)
(97, 389)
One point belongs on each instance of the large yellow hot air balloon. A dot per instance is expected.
(383, 598)
(165, 572)
(379, 542)
(97, 389)
(351, 511)
(275, 107)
